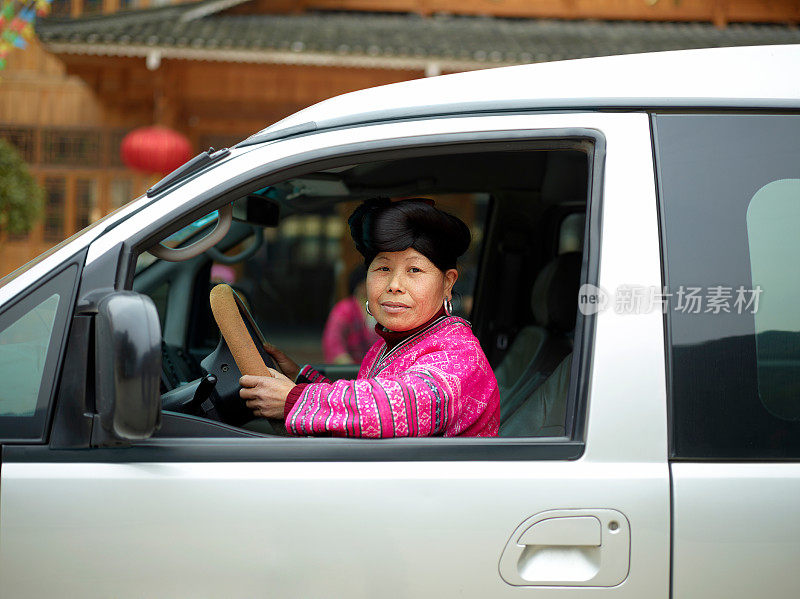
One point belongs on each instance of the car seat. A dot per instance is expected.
(543, 413)
(538, 350)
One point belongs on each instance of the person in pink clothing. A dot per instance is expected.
(349, 331)
(427, 374)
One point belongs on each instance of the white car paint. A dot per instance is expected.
(736, 530)
(309, 529)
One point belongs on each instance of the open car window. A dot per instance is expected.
(517, 285)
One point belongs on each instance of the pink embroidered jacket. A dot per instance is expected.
(435, 382)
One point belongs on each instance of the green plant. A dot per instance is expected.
(21, 199)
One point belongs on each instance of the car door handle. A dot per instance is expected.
(588, 547)
(578, 531)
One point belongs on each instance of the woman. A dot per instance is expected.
(428, 374)
(350, 331)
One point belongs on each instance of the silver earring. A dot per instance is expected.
(448, 306)
(366, 307)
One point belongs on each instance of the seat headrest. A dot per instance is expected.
(554, 299)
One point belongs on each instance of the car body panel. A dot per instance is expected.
(738, 526)
(308, 529)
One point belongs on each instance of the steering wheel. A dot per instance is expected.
(230, 312)
(240, 351)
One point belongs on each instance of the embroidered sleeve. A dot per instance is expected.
(308, 374)
(420, 401)
(291, 399)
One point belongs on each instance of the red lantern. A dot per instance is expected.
(155, 149)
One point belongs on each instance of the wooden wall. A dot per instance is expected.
(214, 98)
(36, 90)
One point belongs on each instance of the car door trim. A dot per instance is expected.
(283, 449)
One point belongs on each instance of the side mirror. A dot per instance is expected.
(128, 368)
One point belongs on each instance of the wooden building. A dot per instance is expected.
(219, 70)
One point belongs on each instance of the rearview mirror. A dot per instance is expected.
(128, 367)
(257, 210)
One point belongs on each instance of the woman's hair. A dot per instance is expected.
(381, 225)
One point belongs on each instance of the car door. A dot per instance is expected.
(580, 515)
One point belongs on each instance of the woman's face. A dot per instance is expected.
(405, 289)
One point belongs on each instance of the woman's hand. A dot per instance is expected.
(286, 365)
(265, 395)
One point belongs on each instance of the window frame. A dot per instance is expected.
(682, 449)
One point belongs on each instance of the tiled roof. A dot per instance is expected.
(199, 31)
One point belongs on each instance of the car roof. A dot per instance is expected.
(741, 77)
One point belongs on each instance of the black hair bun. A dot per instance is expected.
(380, 225)
(361, 223)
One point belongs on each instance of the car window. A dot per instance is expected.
(526, 211)
(570, 238)
(31, 333)
(730, 200)
(23, 349)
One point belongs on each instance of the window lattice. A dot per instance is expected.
(55, 196)
(87, 209)
(121, 192)
(60, 8)
(85, 148)
(71, 147)
(113, 156)
(22, 138)
(92, 7)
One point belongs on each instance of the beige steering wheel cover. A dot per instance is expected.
(223, 301)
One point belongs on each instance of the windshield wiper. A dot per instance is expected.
(197, 163)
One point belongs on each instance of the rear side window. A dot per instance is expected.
(730, 207)
(31, 336)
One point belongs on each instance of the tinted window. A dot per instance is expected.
(31, 335)
(730, 199)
